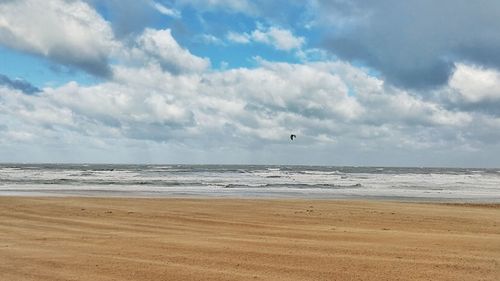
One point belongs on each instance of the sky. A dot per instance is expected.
(363, 83)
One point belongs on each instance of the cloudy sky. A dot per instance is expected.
(393, 83)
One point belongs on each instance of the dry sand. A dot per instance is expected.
(226, 239)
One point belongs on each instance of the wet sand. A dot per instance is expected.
(228, 239)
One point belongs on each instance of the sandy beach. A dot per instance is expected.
(228, 239)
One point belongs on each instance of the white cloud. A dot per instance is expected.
(68, 32)
(243, 6)
(236, 107)
(413, 110)
(241, 38)
(476, 84)
(159, 46)
(312, 54)
(165, 10)
(209, 39)
(279, 38)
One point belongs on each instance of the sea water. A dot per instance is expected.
(248, 181)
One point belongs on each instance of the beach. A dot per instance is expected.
(73, 238)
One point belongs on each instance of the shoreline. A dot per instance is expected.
(89, 238)
(246, 196)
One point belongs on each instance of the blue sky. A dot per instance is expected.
(40, 71)
(412, 83)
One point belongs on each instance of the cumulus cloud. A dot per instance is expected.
(72, 33)
(241, 108)
(279, 38)
(331, 106)
(476, 84)
(68, 32)
(414, 44)
(159, 46)
(473, 89)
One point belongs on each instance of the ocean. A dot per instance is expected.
(251, 181)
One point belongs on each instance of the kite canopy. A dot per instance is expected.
(293, 137)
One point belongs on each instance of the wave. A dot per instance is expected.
(294, 185)
(166, 183)
(83, 182)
